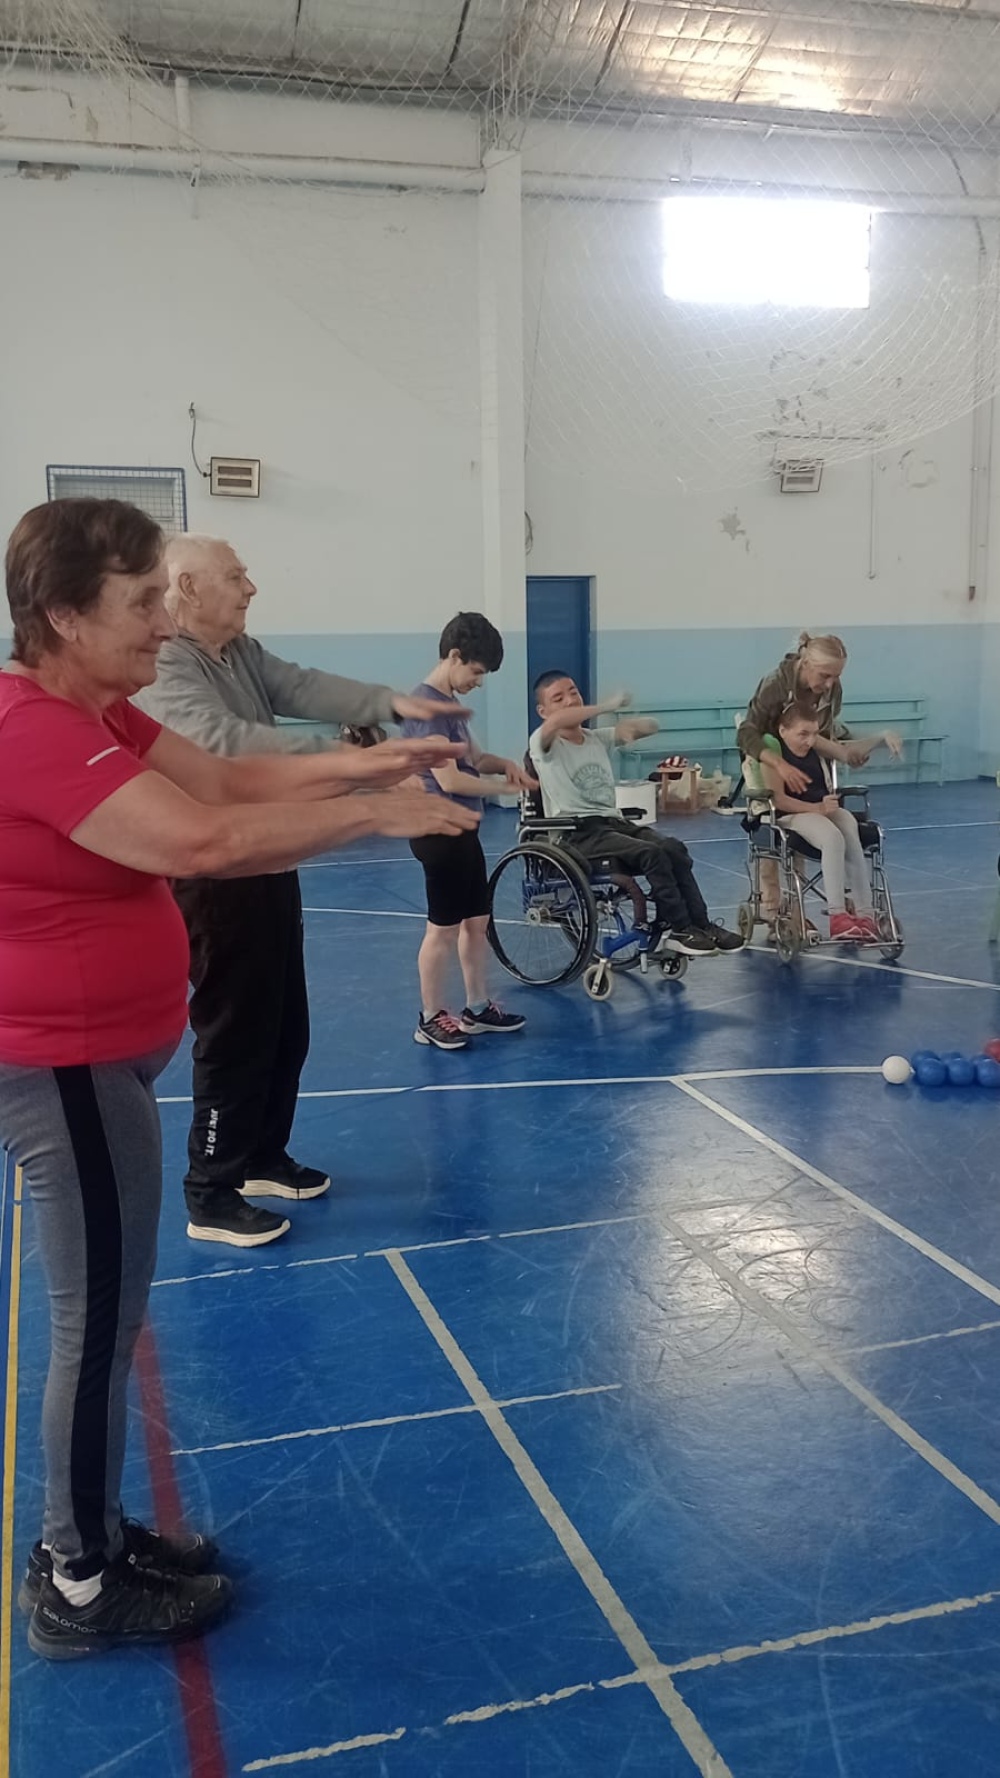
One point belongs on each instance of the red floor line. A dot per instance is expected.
(194, 1676)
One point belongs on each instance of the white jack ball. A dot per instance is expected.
(897, 1071)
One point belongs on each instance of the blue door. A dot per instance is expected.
(559, 631)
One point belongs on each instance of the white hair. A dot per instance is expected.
(821, 648)
(183, 553)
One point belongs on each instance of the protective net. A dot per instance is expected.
(336, 146)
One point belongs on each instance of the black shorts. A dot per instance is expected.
(456, 878)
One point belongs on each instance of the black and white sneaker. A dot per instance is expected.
(134, 1605)
(724, 939)
(443, 1031)
(286, 1179)
(238, 1225)
(689, 940)
(492, 1018)
(186, 1552)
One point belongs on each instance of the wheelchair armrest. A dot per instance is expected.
(549, 823)
(858, 791)
(633, 814)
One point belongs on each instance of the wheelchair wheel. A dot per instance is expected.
(543, 922)
(891, 934)
(674, 965)
(745, 921)
(598, 981)
(787, 937)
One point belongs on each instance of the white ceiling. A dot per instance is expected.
(917, 64)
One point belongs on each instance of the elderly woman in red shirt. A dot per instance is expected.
(99, 806)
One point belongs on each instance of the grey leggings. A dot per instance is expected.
(841, 855)
(88, 1142)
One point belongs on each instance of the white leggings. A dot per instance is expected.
(836, 837)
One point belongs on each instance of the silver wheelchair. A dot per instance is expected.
(799, 875)
(555, 917)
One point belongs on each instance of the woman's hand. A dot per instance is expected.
(424, 709)
(894, 743)
(793, 780)
(830, 805)
(389, 762)
(409, 815)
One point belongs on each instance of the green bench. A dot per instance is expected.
(705, 731)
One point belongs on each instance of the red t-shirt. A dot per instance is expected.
(93, 956)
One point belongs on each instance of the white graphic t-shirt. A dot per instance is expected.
(576, 778)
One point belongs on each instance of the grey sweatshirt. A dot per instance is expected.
(229, 706)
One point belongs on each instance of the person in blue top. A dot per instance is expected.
(455, 870)
(816, 814)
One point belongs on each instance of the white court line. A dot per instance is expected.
(369, 913)
(328, 1259)
(948, 1333)
(826, 1361)
(555, 1228)
(586, 1080)
(924, 975)
(280, 1438)
(726, 1657)
(937, 826)
(831, 1633)
(861, 1205)
(682, 1719)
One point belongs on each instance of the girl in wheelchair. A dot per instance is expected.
(816, 815)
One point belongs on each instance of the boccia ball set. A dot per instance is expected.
(929, 1068)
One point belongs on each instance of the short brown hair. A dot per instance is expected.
(59, 555)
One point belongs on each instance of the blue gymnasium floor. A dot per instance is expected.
(622, 1410)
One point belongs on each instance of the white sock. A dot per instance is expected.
(77, 1592)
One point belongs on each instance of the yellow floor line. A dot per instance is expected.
(10, 1452)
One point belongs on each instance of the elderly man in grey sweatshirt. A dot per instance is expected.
(249, 1008)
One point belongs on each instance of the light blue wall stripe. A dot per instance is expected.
(943, 662)
(955, 666)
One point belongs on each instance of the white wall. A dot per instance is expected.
(336, 334)
(119, 307)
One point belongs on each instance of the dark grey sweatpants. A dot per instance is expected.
(88, 1142)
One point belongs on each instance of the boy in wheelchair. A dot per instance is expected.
(575, 776)
(817, 816)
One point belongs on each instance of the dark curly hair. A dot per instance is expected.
(475, 638)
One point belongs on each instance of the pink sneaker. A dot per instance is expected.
(870, 932)
(847, 929)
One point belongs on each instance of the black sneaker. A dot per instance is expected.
(492, 1018)
(134, 1605)
(690, 940)
(238, 1225)
(286, 1179)
(443, 1031)
(186, 1552)
(724, 939)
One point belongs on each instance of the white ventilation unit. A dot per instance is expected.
(158, 492)
(800, 475)
(235, 475)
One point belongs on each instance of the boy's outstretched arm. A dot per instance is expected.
(635, 728)
(574, 714)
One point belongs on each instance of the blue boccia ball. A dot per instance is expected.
(930, 1071)
(987, 1071)
(961, 1072)
(923, 1056)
